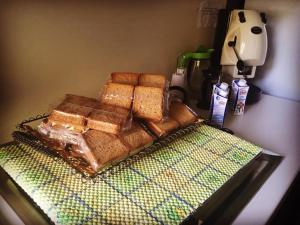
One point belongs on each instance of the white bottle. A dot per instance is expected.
(238, 96)
(218, 104)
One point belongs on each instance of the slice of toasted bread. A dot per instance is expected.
(152, 80)
(118, 95)
(70, 113)
(136, 137)
(107, 121)
(148, 103)
(182, 114)
(125, 78)
(163, 128)
(103, 148)
(82, 101)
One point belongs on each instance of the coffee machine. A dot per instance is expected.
(245, 45)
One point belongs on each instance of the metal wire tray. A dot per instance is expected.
(28, 135)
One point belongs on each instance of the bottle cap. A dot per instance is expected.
(223, 93)
(242, 82)
(223, 86)
(180, 71)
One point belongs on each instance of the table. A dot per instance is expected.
(273, 123)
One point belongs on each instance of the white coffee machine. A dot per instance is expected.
(245, 45)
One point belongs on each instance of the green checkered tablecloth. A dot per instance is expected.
(163, 187)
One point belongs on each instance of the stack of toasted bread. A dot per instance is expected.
(145, 93)
(108, 130)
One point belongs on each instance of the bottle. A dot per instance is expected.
(238, 96)
(218, 104)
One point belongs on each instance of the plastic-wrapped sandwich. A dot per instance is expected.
(136, 138)
(101, 149)
(71, 115)
(98, 149)
(180, 115)
(150, 95)
(105, 149)
(60, 133)
(81, 113)
(98, 133)
(110, 119)
(72, 112)
(148, 103)
(163, 128)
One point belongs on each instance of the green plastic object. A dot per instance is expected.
(201, 53)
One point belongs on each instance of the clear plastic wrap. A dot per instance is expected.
(148, 103)
(166, 101)
(151, 98)
(73, 111)
(180, 115)
(101, 149)
(114, 115)
(80, 113)
(60, 133)
(69, 126)
(136, 138)
(183, 114)
(97, 149)
(163, 128)
(70, 113)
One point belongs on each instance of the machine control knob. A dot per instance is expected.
(242, 17)
(263, 18)
(256, 30)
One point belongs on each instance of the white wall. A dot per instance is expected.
(280, 75)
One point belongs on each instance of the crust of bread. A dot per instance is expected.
(125, 78)
(182, 114)
(118, 95)
(148, 103)
(152, 80)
